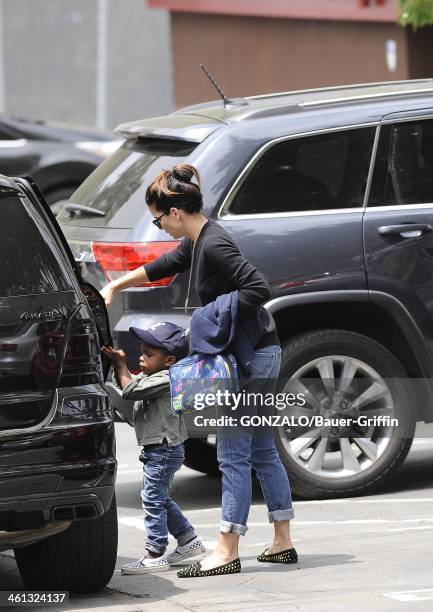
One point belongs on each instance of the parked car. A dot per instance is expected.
(58, 157)
(57, 450)
(329, 193)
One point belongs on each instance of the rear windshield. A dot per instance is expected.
(117, 187)
(31, 263)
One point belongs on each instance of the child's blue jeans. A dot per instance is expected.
(161, 514)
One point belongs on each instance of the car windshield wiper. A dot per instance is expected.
(83, 210)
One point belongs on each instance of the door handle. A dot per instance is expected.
(406, 230)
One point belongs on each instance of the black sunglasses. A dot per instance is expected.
(157, 221)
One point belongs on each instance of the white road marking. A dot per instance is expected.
(137, 472)
(362, 521)
(378, 500)
(323, 502)
(137, 523)
(413, 595)
(267, 544)
(419, 528)
(132, 521)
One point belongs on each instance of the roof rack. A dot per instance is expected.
(383, 94)
(335, 88)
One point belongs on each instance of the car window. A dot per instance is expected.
(117, 187)
(318, 172)
(404, 165)
(30, 263)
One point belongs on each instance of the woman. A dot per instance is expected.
(176, 203)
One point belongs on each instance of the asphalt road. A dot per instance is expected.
(373, 552)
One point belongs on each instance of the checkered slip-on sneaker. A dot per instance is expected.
(285, 556)
(146, 565)
(195, 571)
(191, 550)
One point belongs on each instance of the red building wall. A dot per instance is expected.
(263, 46)
(353, 10)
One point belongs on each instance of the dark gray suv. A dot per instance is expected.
(329, 193)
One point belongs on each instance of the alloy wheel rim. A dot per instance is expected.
(338, 385)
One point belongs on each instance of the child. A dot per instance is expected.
(161, 433)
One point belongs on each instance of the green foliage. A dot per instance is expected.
(417, 13)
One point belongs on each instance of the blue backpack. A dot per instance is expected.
(201, 374)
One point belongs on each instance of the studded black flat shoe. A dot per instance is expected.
(195, 571)
(285, 556)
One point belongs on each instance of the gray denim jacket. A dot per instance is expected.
(153, 418)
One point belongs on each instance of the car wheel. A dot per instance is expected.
(56, 198)
(344, 374)
(200, 455)
(80, 559)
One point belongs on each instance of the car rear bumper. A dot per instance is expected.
(32, 511)
(27, 518)
(69, 464)
(58, 461)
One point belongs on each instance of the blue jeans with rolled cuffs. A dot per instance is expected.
(241, 450)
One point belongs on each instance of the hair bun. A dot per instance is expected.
(184, 173)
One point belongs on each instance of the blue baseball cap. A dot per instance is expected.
(165, 335)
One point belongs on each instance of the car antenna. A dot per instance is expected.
(225, 100)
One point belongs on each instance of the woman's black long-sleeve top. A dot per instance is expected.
(218, 268)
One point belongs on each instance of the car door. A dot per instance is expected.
(398, 223)
(296, 211)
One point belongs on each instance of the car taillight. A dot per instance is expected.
(8, 347)
(49, 356)
(116, 258)
(82, 359)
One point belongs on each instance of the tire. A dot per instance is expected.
(80, 559)
(57, 197)
(334, 472)
(201, 456)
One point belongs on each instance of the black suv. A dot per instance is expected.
(57, 450)
(330, 194)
